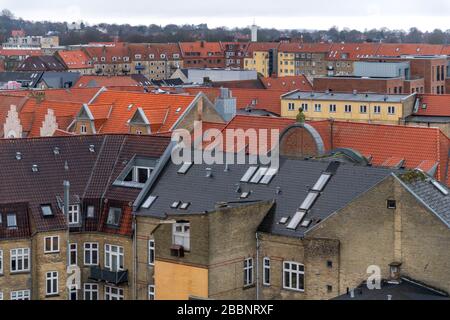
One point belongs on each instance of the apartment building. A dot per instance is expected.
(365, 107)
(38, 241)
(76, 61)
(202, 54)
(262, 57)
(259, 237)
(234, 54)
(309, 59)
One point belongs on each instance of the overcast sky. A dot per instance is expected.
(285, 14)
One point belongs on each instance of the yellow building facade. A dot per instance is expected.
(259, 62)
(376, 108)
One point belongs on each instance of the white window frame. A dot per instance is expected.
(83, 129)
(53, 289)
(333, 108)
(348, 108)
(248, 272)
(73, 290)
(291, 106)
(111, 254)
(151, 252)
(391, 110)
(266, 270)
(182, 237)
(20, 254)
(90, 289)
(377, 109)
(317, 107)
(1, 296)
(88, 248)
(151, 292)
(292, 271)
(110, 294)
(52, 244)
(74, 214)
(73, 248)
(20, 295)
(363, 109)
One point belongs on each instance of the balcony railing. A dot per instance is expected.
(114, 277)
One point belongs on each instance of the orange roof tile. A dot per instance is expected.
(76, 59)
(352, 51)
(398, 49)
(287, 83)
(205, 49)
(162, 110)
(434, 105)
(304, 47)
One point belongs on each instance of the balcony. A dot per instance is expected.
(140, 68)
(113, 277)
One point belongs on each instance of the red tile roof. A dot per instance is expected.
(397, 49)
(353, 51)
(385, 144)
(205, 49)
(5, 105)
(434, 105)
(260, 46)
(287, 83)
(162, 110)
(76, 59)
(19, 52)
(304, 47)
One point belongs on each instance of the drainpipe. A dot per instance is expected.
(66, 185)
(134, 258)
(257, 266)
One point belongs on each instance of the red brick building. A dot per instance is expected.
(202, 54)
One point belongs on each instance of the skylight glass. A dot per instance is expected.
(309, 201)
(258, 175)
(270, 174)
(185, 168)
(47, 210)
(296, 220)
(440, 187)
(148, 203)
(175, 205)
(250, 172)
(185, 205)
(322, 182)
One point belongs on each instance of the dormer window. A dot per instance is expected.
(103, 59)
(11, 220)
(90, 213)
(114, 216)
(114, 59)
(163, 56)
(139, 175)
(137, 56)
(126, 59)
(74, 214)
(151, 56)
(181, 235)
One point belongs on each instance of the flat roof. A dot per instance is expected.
(332, 96)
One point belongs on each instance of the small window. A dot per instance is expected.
(175, 205)
(330, 264)
(348, 108)
(51, 283)
(185, 205)
(11, 220)
(148, 203)
(391, 204)
(151, 252)
(74, 214)
(73, 256)
(151, 292)
(329, 288)
(248, 272)
(47, 210)
(114, 216)
(185, 168)
(181, 235)
(266, 272)
(90, 212)
(391, 110)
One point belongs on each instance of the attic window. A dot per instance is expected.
(178, 110)
(245, 195)
(296, 220)
(139, 175)
(309, 201)
(284, 220)
(185, 168)
(269, 175)
(148, 203)
(391, 204)
(90, 211)
(114, 216)
(250, 172)
(47, 210)
(175, 205)
(11, 220)
(440, 187)
(258, 175)
(322, 182)
(185, 205)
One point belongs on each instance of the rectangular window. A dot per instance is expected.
(377, 109)
(51, 283)
(20, 260)
(83, 129)
(391, 110)
(293, 276)
(332, 108)
(305, 107)
(151, 252)
(73, 256)
(51, 244)
(248, 272)
(151, 292)
(114, 216)
(348, 108)
(1, 296)
(90, 291)
(181, 235)
(11, 220)
(363, 109)
(113, 293)
(91, 254)
(266, 271)
(114, 258)
(90, 211)
(20, 295)
(291, 106)
(73, 294)
(47, 210)
(1, 262)
(74, 214)
(317, 107)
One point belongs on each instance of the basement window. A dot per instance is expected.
(391, 204)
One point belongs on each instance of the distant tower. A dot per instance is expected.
(254, 32)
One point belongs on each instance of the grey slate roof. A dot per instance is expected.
(58, 80)
(295, 179)
(359, 97)
(435, 200)
(406, 290)
(28, 79)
